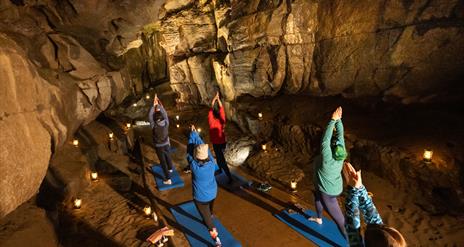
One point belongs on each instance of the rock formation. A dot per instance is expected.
(59, 69)
(396, 51)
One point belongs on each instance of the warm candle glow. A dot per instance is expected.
(135, 104)
(110, 135)
(94, 175)
(177, 125)
(293, 184)
(428, 155)
(147, 210)
(75, 142)
(77, 203)
(155, 217)
(199, 130)
(260, 115)
(147, 96)
(128, 125)
(177, 117)
(263, 147)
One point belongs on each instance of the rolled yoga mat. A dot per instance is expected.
(197, 234)
(326, 234)
(158, 173)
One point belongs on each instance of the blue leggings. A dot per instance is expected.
(330, 203)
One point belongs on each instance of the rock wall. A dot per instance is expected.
(395, 51)
(61, 65)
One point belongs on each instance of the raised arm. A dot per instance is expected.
(339, 134)
(326, 150)
(222, 113)
(150, 116)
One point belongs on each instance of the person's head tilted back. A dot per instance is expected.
(216, 110)
(201, 152)
(157, 117)
(383, 236)
(339, 152)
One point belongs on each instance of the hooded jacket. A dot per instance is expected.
(160, 128)
(204, 186)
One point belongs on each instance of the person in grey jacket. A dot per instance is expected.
(159, 123)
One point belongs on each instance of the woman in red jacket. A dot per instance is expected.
(217, 123)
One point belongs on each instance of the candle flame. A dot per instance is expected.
(77, 203)
(147, 210)
(76, 142)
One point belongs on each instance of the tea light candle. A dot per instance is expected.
(260, 115)
(147, 210)
(147, 96)
(94, 176)
(293, 184)
(134, 105)
(75, 142)
(263, 147)
(428, 155)
(199, 130)
(128, 125)
(177, 117)
(111, 135)
(177, 125)
(77, 203)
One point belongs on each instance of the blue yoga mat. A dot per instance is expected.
(172, 149)
(197, 234)
(326, 234)
(158, 173)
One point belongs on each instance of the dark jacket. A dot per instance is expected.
(160, 128)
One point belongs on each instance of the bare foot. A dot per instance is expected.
(317, 220)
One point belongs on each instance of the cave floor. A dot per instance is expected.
(112, 215)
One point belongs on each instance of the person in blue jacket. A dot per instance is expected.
(204, 186)
(376, 234)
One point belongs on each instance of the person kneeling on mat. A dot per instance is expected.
(376, 234)
(204, 186)
(327, 178)
(159, 123)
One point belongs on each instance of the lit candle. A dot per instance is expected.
(77, 203)
(199, 130)
(293, 184)
(94, 176)
(428, 155)
(177, 117)
(147, 210)
(260, 115)
(147, 96)
(263, 147)
(177, 125)
(110, 135)
(155, 217)
(128, 125)
(134, 105)
(75, 142)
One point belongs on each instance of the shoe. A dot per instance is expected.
(167, 182)
(218, 242)
(264, 187)
(187, 170)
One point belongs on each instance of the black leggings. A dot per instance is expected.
(221, 161)
(165, 160)
(330, 204)
(206, 212)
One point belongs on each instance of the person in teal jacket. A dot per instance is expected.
(328, 166)
(376, 234)
(204, 186)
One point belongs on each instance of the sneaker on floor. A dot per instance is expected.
(217, 242)
(187, 170)
(167, 182)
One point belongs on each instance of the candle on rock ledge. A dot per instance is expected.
(428, 153)
(77, 203)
